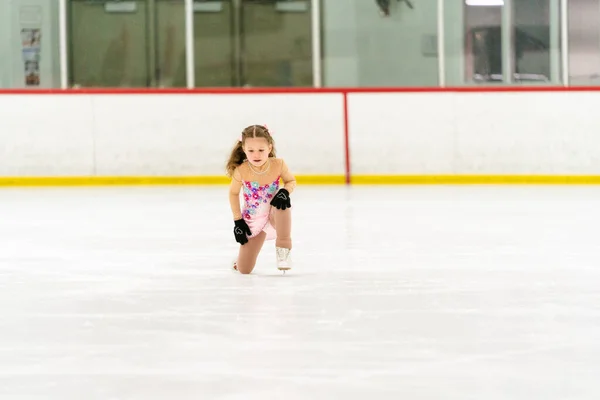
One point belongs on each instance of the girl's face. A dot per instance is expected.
(257, 150)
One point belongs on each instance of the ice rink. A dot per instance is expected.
(411, 293)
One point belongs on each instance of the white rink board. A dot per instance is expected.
(194, 134)
(474, 133)
(527, 133)
(46, 135)
(164, 135)
(390, 133)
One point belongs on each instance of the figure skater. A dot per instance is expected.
(266, 213)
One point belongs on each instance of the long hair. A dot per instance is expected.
(238, 156)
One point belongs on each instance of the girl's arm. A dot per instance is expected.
(289, 180)
(234, 195)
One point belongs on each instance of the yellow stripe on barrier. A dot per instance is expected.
(111, 180)
(149, 180)
(475, 180)
(309, 180)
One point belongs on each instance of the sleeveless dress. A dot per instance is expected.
(256, 209)
(258, 190)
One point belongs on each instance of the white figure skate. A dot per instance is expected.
(284, 260)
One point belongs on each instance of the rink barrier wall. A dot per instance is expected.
(502, 135)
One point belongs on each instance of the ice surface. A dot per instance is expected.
(412, 293)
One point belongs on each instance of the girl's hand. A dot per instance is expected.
(282, 200)
(240, 231)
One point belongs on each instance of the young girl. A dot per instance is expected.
(266, 213)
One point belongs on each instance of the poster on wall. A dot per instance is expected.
(30, 20)
(31, 49)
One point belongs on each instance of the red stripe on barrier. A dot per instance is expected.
(347, 140)
(299, 90)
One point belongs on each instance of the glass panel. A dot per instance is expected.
(29, 44)
(109, 43)
(483, 43)
(276, 43)
(584, 42)
(213, 44)
(531, 49)
(170, 49)
(488, 41)
(380, 43)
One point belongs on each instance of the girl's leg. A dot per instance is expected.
(249, 253)
(282, 221)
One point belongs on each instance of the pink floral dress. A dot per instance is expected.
(258, 190)
(256, 208)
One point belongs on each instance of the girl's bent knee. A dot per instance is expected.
(245, 270)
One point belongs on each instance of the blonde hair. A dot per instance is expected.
(238, 156)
